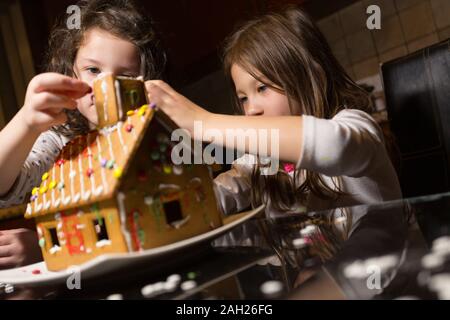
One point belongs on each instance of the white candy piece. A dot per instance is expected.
(432, 260)
(170, 286)
(115, 296)
(188, 285)
(9, 288)
(175, 278)
(440, 282)
(272, 288)
(441, 245)
(148, 291)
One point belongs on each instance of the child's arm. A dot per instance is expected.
(349, 144)
(184, 112)
(47, 96)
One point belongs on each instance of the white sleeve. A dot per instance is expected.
(46, 148)
(232, 188)
(345, 145)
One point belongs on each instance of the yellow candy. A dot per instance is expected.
(118, 172)
(167, 169)
(35, 191)
(130, 113)
(43, 189)
(45, 176)
(52, 184)
(142, 110)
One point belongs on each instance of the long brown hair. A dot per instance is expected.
(118, 17)
(289, 51)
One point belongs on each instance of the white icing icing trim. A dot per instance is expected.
(80, 226)
(88, 250)
(119, 99)
(123, 220)
(119, 133)
(179, 223)
(59, 226)
(71, 176)
(54, 249)
(47, 205)
(103, 243)
(44, 197)
(66, 200)
(29, 209)
(86, 195)
(111, 152)
(90, 155)
(99, 154)
(77, 197)
(98, 191)
(38, 207)
(105, 99)
(80, 173)
(57, 203)
(61, 176)
(53, 190)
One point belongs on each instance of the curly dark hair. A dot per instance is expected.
(119, 17)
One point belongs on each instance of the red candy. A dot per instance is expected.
(129, 127)
(36, 271)
(60, 162)
(89, 172)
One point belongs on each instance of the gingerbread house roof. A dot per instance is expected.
(90, 167)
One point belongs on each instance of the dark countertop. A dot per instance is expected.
(390, 253)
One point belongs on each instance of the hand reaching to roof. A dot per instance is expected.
(180, 109)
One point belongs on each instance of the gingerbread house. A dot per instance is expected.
(116, 188)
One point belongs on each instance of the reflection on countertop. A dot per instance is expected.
(392, 250)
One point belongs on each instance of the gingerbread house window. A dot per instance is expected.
(54, 241)
(100, 229)
(173, 211)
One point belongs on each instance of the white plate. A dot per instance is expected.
(37, 274)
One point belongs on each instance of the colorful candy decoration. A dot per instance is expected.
(45, 176)
(89, 172)
(118, 173)
(128, 127)
(103, 163)
(52, 185)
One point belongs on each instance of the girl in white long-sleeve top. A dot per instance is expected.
(285, 78)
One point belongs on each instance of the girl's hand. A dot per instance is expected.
(180, 109)
(48, 94)
(18, 247)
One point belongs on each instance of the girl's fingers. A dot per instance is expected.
(47, 100)
(161, 84)
(4, 240)
(7, 262)
(55, 82)
(6, 251)
(157, 95)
